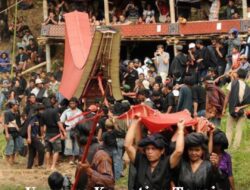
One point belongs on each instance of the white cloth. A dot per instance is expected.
(68, 114)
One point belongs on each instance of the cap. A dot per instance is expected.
(156, 139)
(176, 93)
(39, 81)
(191, 45)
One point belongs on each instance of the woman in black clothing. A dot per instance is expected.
(152, 165)
(195, 171)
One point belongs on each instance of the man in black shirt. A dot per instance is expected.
(12, 123)
(199, 100)
(52, 126)
(131, 76)
(168, 99)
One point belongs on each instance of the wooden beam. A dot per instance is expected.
(34, 68)
(45, 9)
(48, 58)
(106, 12)
(172, 10)
(244, 9)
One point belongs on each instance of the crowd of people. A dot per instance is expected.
(38, 116)
(40, 122)
(143, 12)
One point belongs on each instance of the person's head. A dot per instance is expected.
(52, 78)
(4, 55)
(39, 83)
(31, 41)
(243, 58)
(156, 87)
(199, 44)
(211, 72)
(191, 47)
(122, 18)
(13, 105)
(160, 48)
(188, 80)
(73, 103)
(20, 50)
(156, 95)
(141, 95)
(195, 147)
(51, 14)
(130, 65)
(32, 98)
(136, 63)
(231, 3)
(214, 41)
(235, 50)
(149, 8)
(114, 19)
(82, 132)
(154, 147)
(141, 76)
(43, 75)
(220, 142)
(167, 88)
(32, 83)
(242, 74)
(55, 181)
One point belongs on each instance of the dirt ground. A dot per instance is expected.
(17, 177)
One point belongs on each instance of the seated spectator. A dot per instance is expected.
(32, 50)
(4, 62)
(25, 40)
(123, 20)
(114, 20)
(21, 59)
(132, 12)
(163, 11)
(51, 19)
(149, 15)
(244, 64)
(231, 12)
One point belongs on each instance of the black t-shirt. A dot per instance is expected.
(50, 118)
(199, 96)
(169, 100)
(221, 60)
(131, 78)
(101, 124)
(156, 180)
(9, 118)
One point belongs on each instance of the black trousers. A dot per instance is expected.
(36, 146)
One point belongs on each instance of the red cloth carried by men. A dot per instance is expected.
(248, 114)
(156, 121)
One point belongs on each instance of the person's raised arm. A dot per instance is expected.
(129, 140)
(177, 154)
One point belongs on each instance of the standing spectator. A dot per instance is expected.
(50, 121)
(168, 99)
(163, 10)
(34, 138)
(220, 52)
(148, 14)
(12, 123)
(71, 147)
(238, 98)
(231, 11)
(215, 98)
(232, 41)
(32, 50)
(179, 62)
(131, 76)
(185, 98)
(199, 100)
(161, 61)
(25, 40)
(40, 91)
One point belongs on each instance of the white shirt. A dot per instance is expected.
(68, 114)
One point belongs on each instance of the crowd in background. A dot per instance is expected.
(144, 12)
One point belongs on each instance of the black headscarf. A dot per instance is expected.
(195, 139)
(220, 139)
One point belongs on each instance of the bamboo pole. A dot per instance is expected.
(106, 11)
(14, 43)
(244, 9)
(34, 68)
(172, 10)
(45, 9)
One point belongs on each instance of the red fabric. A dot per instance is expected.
(78, 42)
(156, 121)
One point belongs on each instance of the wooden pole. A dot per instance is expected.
(45, 9)
(14, 44)
(106, 11)
(244, 9)
(48, 58)
(172, 17)
(172, 10)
